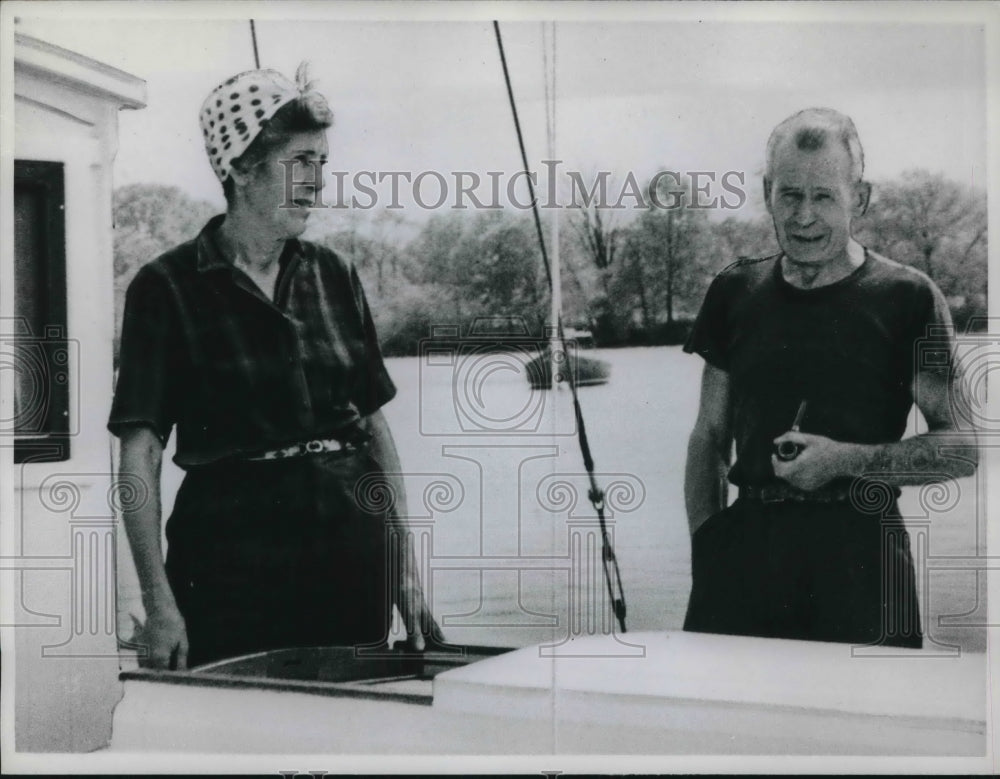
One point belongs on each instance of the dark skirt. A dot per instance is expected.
(280, 553)
(821, 572)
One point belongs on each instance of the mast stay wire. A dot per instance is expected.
(524, 156)
(253, 37)
(596, 495)
(550, 95)
(549, 75)
(612, 574)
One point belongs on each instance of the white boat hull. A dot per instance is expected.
(661, 693)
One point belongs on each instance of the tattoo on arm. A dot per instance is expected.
(946, 452)
(923, 459)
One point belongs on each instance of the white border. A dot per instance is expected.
(986, 13)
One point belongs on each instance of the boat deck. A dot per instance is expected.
(643, 693)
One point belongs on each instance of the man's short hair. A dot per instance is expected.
(811, 130)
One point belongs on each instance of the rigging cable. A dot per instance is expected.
(550, 95)
(253, 37)
(612, 574)
(524, 156)
(549, 76)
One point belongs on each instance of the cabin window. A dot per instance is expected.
(36, 343)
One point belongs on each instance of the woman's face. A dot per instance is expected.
(280, 190)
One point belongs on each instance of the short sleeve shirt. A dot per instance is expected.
(850, 349)
(204, 350)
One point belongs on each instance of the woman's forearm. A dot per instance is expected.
(139, 477)
(383, 451)
(408, 593)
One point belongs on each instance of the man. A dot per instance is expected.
(814, 547)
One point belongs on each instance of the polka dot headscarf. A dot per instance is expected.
(236, 111)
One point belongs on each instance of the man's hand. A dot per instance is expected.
(820, 460)
(944, 452)
(165, 638)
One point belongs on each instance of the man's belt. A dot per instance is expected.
(780, 492)
(316, 446)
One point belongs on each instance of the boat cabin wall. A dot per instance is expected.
(61, 542)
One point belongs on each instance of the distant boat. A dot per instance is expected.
(584, 339)
(587, 371)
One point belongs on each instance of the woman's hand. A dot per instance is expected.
(164, 633)
(422, 631)
(164, 636)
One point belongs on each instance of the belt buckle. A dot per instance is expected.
(280, 454)
(771, 495)
(314, 447)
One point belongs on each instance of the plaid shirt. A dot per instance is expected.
(204, 350)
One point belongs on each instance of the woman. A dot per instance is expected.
(261, 350)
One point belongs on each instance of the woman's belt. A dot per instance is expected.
(316, 446)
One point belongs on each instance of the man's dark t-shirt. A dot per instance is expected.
(850, 349)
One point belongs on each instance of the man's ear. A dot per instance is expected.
(863, 195)
(767, 194)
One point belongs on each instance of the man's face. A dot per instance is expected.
(812, 200)
(267, 190)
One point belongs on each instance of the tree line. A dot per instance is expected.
(629, 276)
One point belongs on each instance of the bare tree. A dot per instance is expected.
(598, 237)
(930, 222)
(674, 245)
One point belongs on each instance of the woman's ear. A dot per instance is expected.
(237, 173)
